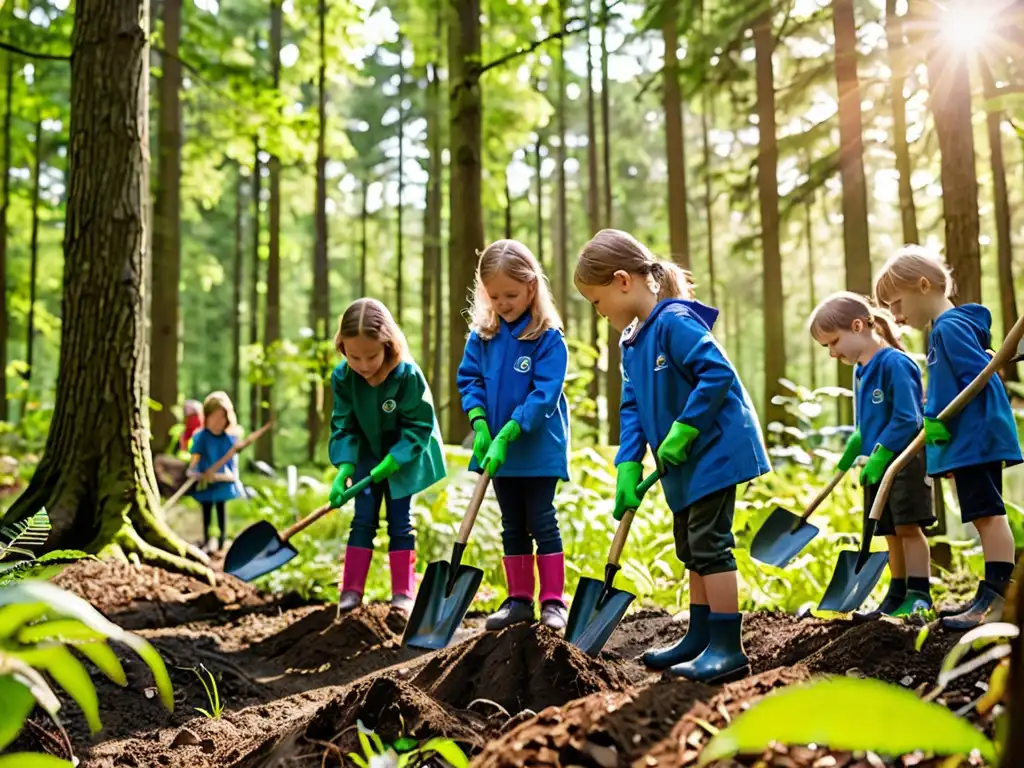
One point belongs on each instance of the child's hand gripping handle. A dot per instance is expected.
(353, 490)
(1003, 356)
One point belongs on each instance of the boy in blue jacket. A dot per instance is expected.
(681, 395)
(510, 380)
(974, 445)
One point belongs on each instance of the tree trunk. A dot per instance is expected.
(675, 141)
(254, 295)
(96, 476)
(272, 316)
(709, 201)
(768, 198)
(539, 162)
(432, 224)
(9, 88)
(898, 66)
(400, 256)
(320, 319)
(593, 200)
(809, 239)
(561, 234)
(236, 295)
(949, 99)
(465, 188)
(1004, 240)
(508, 207)
(167, 234)
(33, 267)
(613, 377)
(364, 217)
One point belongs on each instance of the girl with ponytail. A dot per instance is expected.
(887, 401)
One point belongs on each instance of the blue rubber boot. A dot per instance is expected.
(689, 647)
(723, 660)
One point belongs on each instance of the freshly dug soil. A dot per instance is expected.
(295, 682)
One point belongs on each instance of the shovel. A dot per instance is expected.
(447, 589)
(784, 534)
(598, 607)
(260, 549)
(1008, 352)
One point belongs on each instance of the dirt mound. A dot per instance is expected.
(319, 638)
(777, 639)
(519, 668)
(142, 597)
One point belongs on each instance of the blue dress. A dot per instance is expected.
(211, 448)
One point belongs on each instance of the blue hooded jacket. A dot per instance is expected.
(888, 401)
(675, 370)
(984, 431)
(522, 380)
(211, 449)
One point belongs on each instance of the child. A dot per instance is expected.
(210, 444)
(888, 415)
(681, 396)
(974, 444)
(510, 379)
(193, 411)
(384, 426)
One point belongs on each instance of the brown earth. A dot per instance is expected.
(296, 683)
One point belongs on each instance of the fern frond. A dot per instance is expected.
(21, 537)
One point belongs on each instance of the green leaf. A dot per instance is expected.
(61, 630)
(975, 640)
(14, 617)
(33, 760)
(69, 674)
(25, 534)
(447, 749)
(18, 703)
(105, 660)
(820, 713)
(356, 758)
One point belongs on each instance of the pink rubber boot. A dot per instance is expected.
(552, 586)
(353, 579)
(518, 607)
(403, 579)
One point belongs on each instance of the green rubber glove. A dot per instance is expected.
(385, 469)
(875, 468)
(851, 451)
(935, 432)
(338, 487)
(674, 447)
(626, 481)
(482, 439)
(496, 454)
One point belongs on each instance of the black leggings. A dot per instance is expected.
(208, 518)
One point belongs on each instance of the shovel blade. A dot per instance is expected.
(848, 589)
(257, 551)
(594, 614)
(438, 612)
(777, 543)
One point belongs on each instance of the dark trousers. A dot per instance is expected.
(366, 518)
(528, 514)
(208, 518)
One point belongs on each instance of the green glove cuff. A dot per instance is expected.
(510, 432)
(881, 453)
(630, 470)
(851, 451)
(476, 414)
(679, 429)
(387, 467)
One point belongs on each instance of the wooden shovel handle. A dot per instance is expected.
(217, 465)
(823, 494)
(999, 360)
(469, 519)
(353, 491)
(622, 532)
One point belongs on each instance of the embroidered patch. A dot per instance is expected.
(523, 364)
(660, 363)
(877, 396)
(388, 406)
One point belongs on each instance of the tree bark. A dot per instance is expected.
(33, 267)
(613, 377)
(320, 316)
(539, 162)
(709, 201)
(675, 141)
(465, 188)
(254, 295)
(96, 476)
(236, 295)
(432, 223)
(950, 103)
(1000, 196)
(400, 256)
(364, 244)
(167, 234)
(272, 317)
(508, 206)
(593, 201)
(768, 198)
(809, 239)
(6, 185)
(561, 227)
(898, 67)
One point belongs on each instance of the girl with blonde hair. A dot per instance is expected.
(510, 379)
(887, 406)
(210, 443)
(975, 444)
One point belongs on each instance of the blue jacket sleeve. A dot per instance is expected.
(470, 377)
(343, 447)
(198, 444)
(693, 350)
(632, 443)
(416, 413)
(904, 390)
(550, 363)
(959, 353)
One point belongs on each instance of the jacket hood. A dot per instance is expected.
(975, 316)
(707, 315)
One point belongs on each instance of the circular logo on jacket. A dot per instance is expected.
(877, 396)
(388, 406)
(523, 364)
(660, 363)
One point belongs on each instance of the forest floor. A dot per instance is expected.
(294, 682)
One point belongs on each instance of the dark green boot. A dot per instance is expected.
(723, 660)
(689, 647)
